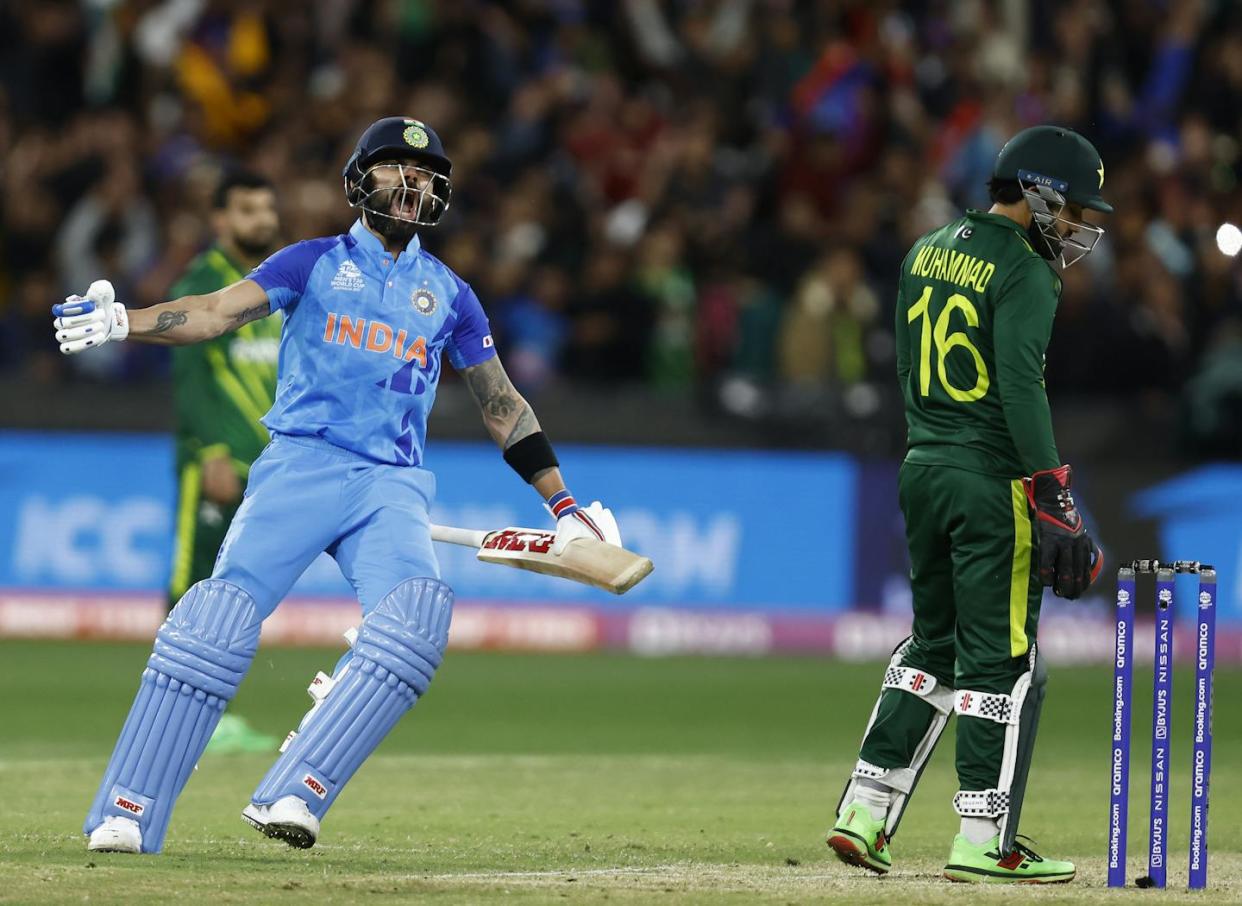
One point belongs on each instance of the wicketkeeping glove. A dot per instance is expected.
(83, 322)
(573, 522)
(1069, 560)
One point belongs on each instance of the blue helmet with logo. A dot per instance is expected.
(397, 141)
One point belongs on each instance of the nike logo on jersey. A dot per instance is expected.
(375, 336)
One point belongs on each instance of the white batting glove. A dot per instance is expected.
(574, 522)
(83, 322)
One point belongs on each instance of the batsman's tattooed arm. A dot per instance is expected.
(166, 321)
(254, 313)
(192, 319)
(507, 415)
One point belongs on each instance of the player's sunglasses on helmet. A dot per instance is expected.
(405, 191)
(1048, 209)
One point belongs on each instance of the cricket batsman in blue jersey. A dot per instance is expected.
(368, 316)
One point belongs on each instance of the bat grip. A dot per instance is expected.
(451, 535)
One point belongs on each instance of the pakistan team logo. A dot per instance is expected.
(424, 301)
(415, 135)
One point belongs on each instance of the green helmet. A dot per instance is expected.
(1059, 158)
(1055, 167)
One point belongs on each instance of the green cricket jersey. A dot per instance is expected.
(223, 386)
(974, 315)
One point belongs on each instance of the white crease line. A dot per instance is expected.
(671, 872)
(551, 873)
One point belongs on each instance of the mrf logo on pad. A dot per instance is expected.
(129, 806)
(315, 786)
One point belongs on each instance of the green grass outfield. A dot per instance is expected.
(532, 779)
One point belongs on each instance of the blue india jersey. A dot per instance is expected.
(363, 339)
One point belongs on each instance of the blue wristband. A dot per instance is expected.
(562, 503)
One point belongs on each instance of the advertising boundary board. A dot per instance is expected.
(540, 626)
(756, 551)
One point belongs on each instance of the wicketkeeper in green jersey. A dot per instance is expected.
(990, 518)
(222, 388)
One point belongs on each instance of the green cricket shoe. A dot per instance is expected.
(983, 864)
(858, 839)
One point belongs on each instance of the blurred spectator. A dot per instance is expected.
(611, 322)
(535, 329)
(682, 195)
(822, 339)
(664, 277)
(110, 230)
(1213, 399)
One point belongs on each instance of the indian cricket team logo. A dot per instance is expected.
(424, 301)
(415, 135)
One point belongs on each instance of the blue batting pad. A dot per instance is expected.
(201, 654)
(400, 644)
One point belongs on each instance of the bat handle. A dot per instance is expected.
(465, 537)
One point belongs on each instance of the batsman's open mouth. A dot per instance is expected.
(404, 205)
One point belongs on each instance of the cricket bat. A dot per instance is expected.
(584, 560)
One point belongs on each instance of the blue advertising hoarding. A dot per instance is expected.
(1200, 518)
(727, 530)
(85, 511)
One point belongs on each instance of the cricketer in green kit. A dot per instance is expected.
(990, 517)
(222, 388)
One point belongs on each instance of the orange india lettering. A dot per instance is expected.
(379, 338)
(374, 342)
(418, 350)
(351, 331)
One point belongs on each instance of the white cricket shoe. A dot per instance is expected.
(116, 835)
(286, 819)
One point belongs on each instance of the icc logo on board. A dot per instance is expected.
(110, 542)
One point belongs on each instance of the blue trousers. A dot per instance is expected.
(306, 496)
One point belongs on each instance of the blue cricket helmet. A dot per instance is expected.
(400, 138)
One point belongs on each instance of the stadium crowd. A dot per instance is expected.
(711, 198)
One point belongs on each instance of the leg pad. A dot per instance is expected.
(981, 803)
(937, 706)
(399, 646)
(201, 654)
(1019, 713)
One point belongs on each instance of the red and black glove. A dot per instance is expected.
(1069, 560)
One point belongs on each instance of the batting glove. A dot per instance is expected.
(1069, 560)
(574, 522)
(83, 322)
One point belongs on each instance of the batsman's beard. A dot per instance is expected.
(392, 228)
